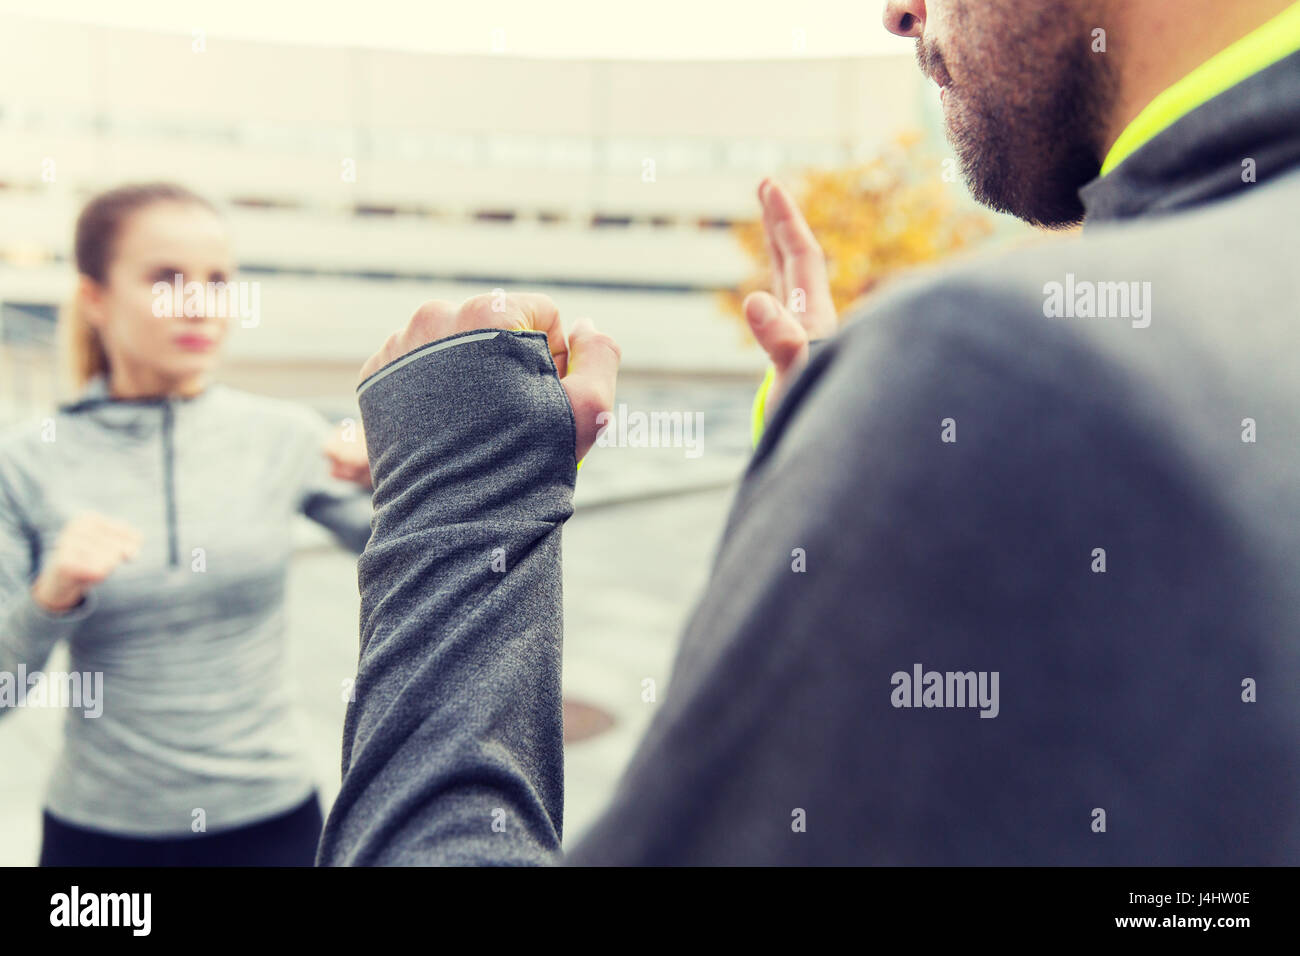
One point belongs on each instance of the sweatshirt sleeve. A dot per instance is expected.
(28, 632)
(453, 741)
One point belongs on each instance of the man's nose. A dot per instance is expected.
(905, 17)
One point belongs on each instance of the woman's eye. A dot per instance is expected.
(165, 275)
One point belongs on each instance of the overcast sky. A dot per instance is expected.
(620, 29)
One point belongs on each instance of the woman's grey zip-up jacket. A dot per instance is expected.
(195, 721)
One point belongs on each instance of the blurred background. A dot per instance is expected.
(367, 166)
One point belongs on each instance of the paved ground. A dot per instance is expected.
(637, 552)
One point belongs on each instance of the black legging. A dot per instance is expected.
(288, 839)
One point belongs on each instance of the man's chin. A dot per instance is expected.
(993, 167)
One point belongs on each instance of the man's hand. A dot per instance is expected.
(800, 308)
(346, 452)
(587, 362)
(89, 548)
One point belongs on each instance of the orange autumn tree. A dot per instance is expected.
(872, 221)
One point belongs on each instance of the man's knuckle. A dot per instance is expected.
(425, 318)
(479, 307)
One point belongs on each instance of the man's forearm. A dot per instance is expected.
(453, 743)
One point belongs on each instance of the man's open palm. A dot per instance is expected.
(799, 308)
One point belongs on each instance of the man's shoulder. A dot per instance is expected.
(1150, 319)
(965, 392)
(1058, 292)
(978, 339)
(1184, 274)
(960, 384)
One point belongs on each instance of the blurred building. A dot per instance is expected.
(361, 182)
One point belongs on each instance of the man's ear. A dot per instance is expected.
(90, 301)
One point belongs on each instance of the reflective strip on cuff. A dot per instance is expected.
(425, 350)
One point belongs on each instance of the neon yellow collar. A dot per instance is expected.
(1261, 48)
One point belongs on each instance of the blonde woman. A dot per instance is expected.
(147, 524)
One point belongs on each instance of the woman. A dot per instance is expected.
(148, 525)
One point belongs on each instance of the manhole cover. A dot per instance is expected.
(582, 721)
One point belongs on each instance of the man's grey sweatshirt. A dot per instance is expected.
(1096, 504)
(196, 729)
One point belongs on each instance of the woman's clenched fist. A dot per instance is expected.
(89, 548)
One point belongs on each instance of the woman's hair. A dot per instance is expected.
(99, 226)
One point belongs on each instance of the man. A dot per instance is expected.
(1011, 576)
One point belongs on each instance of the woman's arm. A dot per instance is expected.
(336, 491)
(28, 631)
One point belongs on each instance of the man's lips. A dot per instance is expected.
(932, 64)
(944, 85)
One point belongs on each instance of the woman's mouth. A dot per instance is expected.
(194, 343)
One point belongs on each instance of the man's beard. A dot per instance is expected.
(1027, 125)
